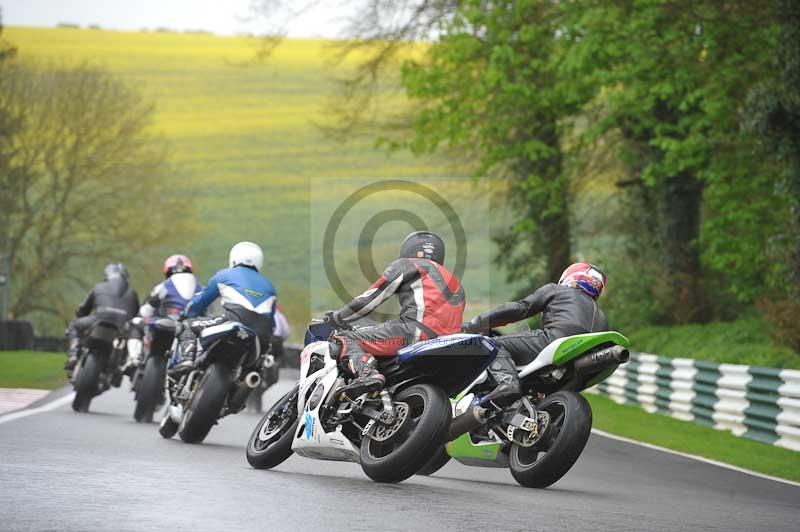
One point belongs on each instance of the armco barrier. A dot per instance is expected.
(16, 334)
(750, 401)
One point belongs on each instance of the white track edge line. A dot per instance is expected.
(52, 405)
(693, 457)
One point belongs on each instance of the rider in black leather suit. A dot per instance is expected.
(567, 308)
(112, 300)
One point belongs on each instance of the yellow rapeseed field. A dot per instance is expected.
(250, 160)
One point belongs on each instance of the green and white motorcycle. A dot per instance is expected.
(540, 436)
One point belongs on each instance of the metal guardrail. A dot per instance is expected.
(750, 401)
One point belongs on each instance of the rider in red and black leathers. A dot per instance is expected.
(431, 304)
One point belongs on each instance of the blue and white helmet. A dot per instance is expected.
(247, 254)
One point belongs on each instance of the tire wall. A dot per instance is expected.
(750, 401)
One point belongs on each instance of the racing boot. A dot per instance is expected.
(134, 357)
(508, 389)
(72, 354)
(367, 377)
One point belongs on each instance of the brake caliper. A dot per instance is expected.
(525, 430)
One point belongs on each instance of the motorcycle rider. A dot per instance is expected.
(431, 304)
(112, 300)
(567, 308)
(247, 296)
(167, 299)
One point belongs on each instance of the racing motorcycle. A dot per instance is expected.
(390, 433)
(540, 436)
(147, 382)
(99, 366)
(227, 365)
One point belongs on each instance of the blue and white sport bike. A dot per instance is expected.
(391, 432)
(228, 363)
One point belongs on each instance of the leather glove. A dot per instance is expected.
(331, 318)
(472, 326)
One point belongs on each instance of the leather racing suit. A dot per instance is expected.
(565, 312)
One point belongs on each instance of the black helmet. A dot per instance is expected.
(423, 245)
(115, 269)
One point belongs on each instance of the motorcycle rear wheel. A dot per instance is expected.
(562, 443)
(87, 383)
(206, 404)
(404, 453)
(277, 447)
(150, 389)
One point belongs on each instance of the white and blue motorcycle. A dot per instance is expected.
(391, 433)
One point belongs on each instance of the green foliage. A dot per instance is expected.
(633, 422)
(489, 88)
(744, 341)
(671, 77)
(77, 172)
(773, 113)
(32, 369)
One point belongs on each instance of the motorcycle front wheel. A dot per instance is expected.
(271, 441)
(438, 461)
(393, 453)
(560, 446)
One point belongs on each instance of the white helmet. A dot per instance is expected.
(246, 253)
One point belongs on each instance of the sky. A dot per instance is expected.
(223, 17)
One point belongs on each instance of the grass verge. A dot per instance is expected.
(633, 422)
(744, 341)
(32, 369)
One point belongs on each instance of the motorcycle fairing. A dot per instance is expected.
(311, 440)
(484, 453)
(565, 349)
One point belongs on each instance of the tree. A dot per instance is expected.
(7, 51)
(78, 171)
(490, 86)
(773, 114)
(671, 76)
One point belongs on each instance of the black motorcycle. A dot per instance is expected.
(227, 367)
(99, 366)
(147, 382)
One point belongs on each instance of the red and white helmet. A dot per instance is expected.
(585, 276)
(177, 264)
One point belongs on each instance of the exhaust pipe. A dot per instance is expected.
(600, 360)
(469, 420)
(252, 380)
